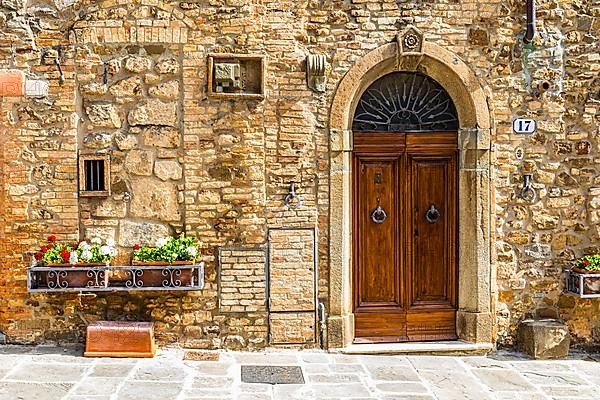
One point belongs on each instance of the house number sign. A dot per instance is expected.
(524, 126)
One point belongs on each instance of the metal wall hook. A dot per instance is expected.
(292, 201)
(528, 192)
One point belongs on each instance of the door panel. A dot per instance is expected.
(432, 195)
(378, 283)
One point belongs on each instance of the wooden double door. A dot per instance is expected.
(405, 236)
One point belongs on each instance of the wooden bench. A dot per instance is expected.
(120, 339)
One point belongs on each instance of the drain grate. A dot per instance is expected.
(272, 374)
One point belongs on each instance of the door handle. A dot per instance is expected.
(432, 215)
(378, 215)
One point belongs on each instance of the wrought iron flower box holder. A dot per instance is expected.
(56, 279)
(586, 286)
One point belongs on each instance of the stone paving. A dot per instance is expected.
(42, 373)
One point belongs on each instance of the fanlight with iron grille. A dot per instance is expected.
(405, 102)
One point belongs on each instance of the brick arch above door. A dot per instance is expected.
(475, 318)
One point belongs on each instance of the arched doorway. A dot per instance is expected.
(475, 285)
(405, 181)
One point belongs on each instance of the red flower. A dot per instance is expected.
(65, 255)
(586, 262)
(50, 245)
(136, 247)
(38, 256)
(52, 238)
(44, 249)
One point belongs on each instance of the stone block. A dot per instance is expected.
(142, 233)
(544, 339)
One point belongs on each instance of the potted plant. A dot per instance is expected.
(171, 253)
(68, 263)
(589, 264)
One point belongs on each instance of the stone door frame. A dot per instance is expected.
(476, 291)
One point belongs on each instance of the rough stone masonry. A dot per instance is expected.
(128, 78)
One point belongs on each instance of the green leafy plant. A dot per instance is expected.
(590, 262)
(170, 249)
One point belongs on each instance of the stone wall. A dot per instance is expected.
(129, 79)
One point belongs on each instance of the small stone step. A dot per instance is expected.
(544, 339)
(456, 347)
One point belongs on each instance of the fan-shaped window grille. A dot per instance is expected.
(405, 102)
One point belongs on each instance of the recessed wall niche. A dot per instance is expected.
(94, 175)
(236, 76)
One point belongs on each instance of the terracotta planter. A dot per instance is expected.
(590, 285)
(167, 277)
(66, 276)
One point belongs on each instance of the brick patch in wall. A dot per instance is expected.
(292, 328)
(242, 280)
(292, 297)
(12, 83)
(292, 270)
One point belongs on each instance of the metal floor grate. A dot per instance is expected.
(271, 374)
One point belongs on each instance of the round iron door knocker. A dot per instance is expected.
(432, 215)
(378, 215)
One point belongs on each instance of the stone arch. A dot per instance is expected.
(476, 280)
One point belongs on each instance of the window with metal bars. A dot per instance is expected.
(94, 175)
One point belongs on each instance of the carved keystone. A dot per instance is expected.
(544, 339)
(410, 40)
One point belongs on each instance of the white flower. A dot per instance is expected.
(73, 259)
(113, 252)
(192, 251)
(162, 241)
(84, 245)
(105, 250)
(110, 242)
(175, 255)
(96, 240)
(86, 255)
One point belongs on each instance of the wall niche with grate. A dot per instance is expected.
(94, 175)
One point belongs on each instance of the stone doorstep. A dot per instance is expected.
(457, 347)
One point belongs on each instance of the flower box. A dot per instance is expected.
(73, 276)
(584, 283)
(172, 275)
(584, 276)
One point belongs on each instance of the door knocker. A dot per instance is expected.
(432, 215)
(378, 215)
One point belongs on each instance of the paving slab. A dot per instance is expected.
(136, 390)
(37, 391)
(168, 373)
(449, 385)
(392, 373)
(503, 380)
(402, 387)
(111, 370)
(32, 371)
(97, 386)
(435, 363)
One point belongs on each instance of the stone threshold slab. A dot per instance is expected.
(457, 347)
